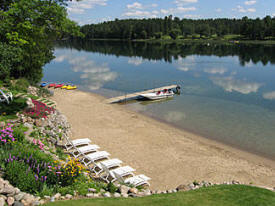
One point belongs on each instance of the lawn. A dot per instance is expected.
(222, 195)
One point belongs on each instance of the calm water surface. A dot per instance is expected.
(228, 91)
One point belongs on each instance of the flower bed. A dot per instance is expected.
(40, 110)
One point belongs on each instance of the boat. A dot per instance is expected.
(43, 84)
(59, 85)
(166, 93)
(51, 85)
(71, 87)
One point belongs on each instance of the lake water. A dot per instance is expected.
(228, 91)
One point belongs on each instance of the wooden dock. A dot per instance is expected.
(136, 95)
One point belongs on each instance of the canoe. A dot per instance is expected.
(51, 85)
(43, 84)
(70, 87)
(59, 86)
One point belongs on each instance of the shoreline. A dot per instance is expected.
(195, 157)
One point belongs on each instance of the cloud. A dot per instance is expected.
(177, 10)
(135, 5)
(93, 75)
(250, 2)
(183, 2)
(191, 16)
(243, 10)
(218, 10)
(230, 84)
(269, 95)
(215, 70)
(80, 7)
(135, 61)
(139, 13)
(185, 64)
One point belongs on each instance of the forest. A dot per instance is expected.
(175, 28)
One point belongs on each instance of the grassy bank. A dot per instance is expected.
(223, 195)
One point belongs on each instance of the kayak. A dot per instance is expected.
(43, 84)
(51, 85)
(59, 86)
(70, 87)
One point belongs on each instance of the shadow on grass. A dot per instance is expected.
(8, 111)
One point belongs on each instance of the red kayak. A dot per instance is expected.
(58, 86)
(52, 85)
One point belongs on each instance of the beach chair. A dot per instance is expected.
(91, 158)
(6, 97)
(110, 163)
(136, 180)
(76, 143)
(122, 171)
(84, 150)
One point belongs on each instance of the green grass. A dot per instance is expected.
(222, 195)
(8, 111)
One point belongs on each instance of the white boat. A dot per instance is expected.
(159, 94)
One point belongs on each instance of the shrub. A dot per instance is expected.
(18, 134)
(18, 174)
(66, 190)
(21, 85)
(39, 110)
(111, 188)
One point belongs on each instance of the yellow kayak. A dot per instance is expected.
(69, 87)
(64, 87)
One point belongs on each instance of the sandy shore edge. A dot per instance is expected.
(170, 156)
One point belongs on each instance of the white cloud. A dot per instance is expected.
(177, 10)
(183, 2)
(215, 70)
(230, 84)
(269, 95)
(154, 5)
(218, 10)
(139, 13)
(250, 2)
(93, 76)
(135, 5)
(135, 61)
(80, 7)
(273, 15)
(191, 16)
(186, 64)
(243, 10)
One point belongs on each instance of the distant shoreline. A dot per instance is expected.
(180, 41)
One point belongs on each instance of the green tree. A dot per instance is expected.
(174, 33)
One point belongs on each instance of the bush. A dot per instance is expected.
(21, 85)
(19, 175)
(18, 134)
(111, 188)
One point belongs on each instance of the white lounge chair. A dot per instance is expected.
(91, 158)
(84, 150)
(110, 163)
(122, 171)
(136, 180)
(76, 143)
(6, 97)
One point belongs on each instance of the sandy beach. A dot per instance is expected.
(168, 155)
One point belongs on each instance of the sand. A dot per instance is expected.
(168, 155)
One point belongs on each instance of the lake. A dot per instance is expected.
(228, 90)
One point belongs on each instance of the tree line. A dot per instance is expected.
(28, 30)
(253, 29)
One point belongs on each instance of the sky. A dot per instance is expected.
(96, 11)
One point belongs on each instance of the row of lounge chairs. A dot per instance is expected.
(98, 162)
(5, 97)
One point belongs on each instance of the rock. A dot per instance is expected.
(1, 185)
(90, 195)
(10, 201)
(17, 190)
(102, 190)
(234, 182)
(19, 196)
(28, 199)
(158, 192)
(2, 201)
(175, 190)
(17, 203)
(125, 195)
(169, 191)
(123, 189)
(133, 190)
(29, 103)
(147, 192)
(117, 194)
(57, 196)
(96, 195)
(92, 190)
(164, 192)
(38, 123)
(42, 202)
(8, 190)
(32, 90)
(62, 198)
(68, 196)
(107, 194)
(47, 197)
(52, 199)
